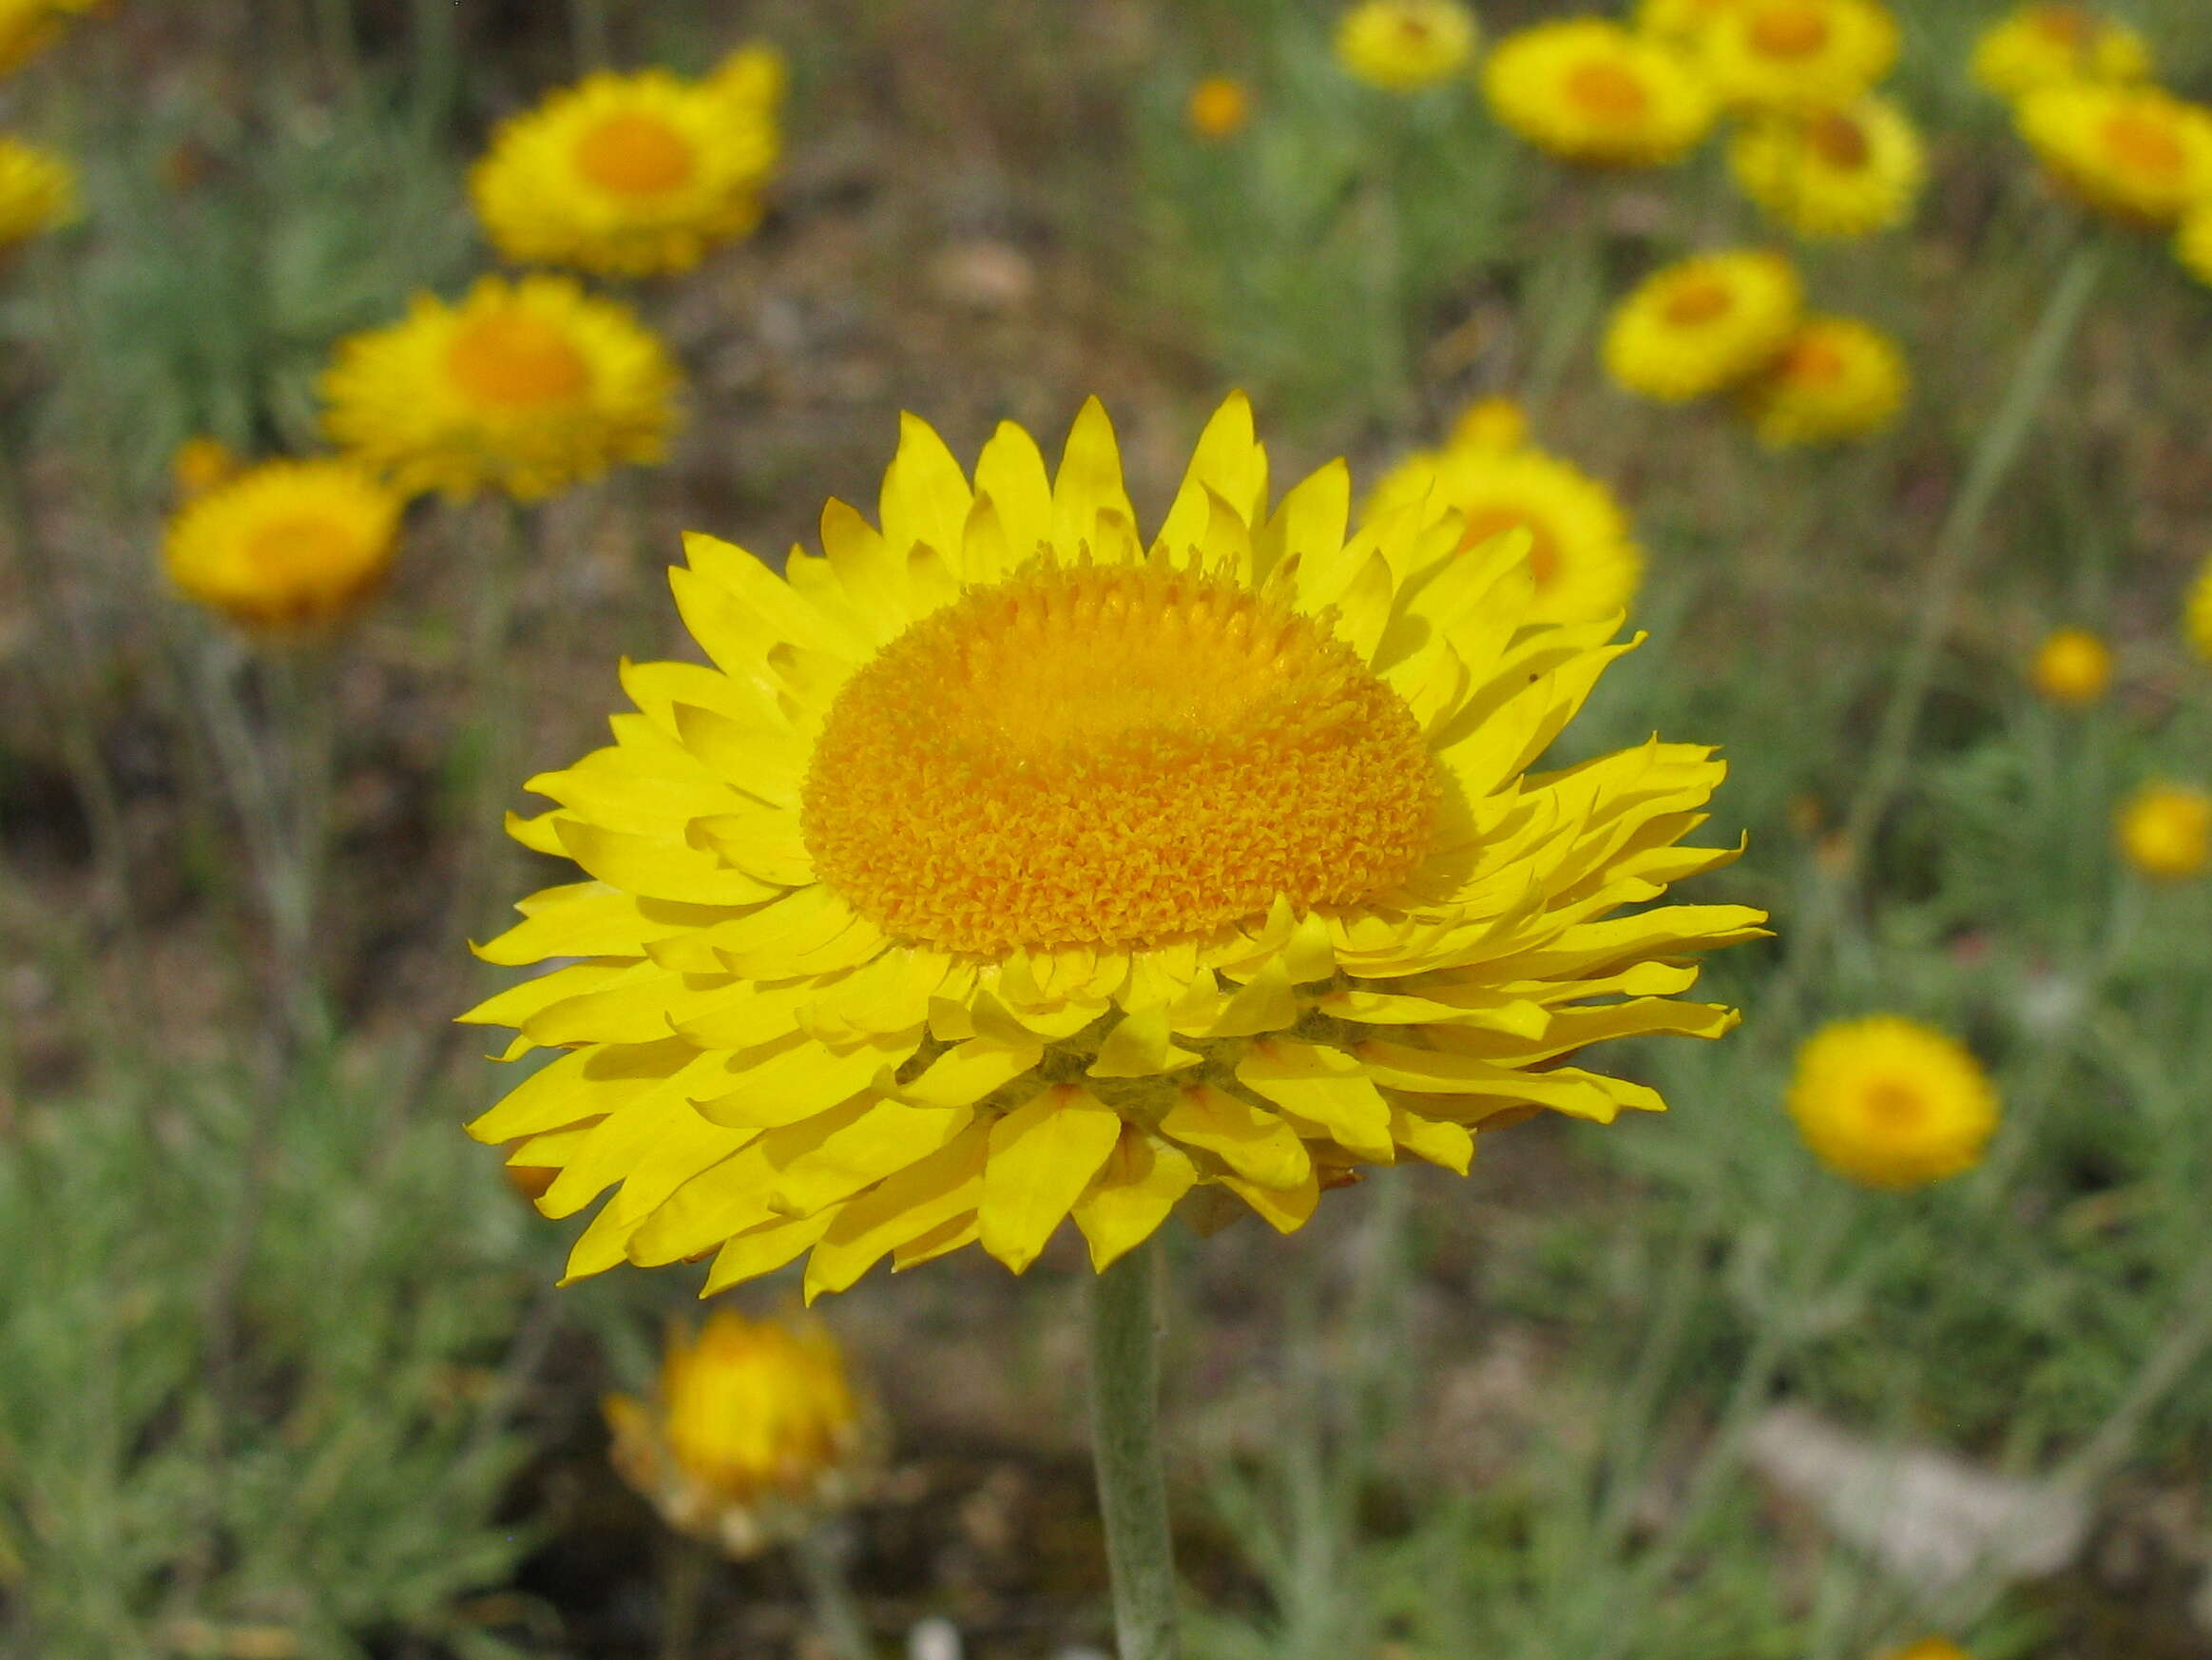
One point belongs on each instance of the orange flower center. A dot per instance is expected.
(635, 154)
(1485, 524)
(2063, 25)
(1698, 301)
(1111, 756)
(510, 359)
(1608, 91)
(1811, 361)
(1839, 141)
(299, 547)
(2141, 141)
(1789, 31)
(1895, 1107)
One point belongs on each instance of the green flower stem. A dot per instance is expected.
(1124, 1429)
(837, 1610)
(1947, 569)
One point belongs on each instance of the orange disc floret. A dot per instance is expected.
(1109, 756)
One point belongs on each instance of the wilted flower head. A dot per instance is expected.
(1891, 1103)
(2164, 831)
(285, 546)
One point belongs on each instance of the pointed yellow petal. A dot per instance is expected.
(1010, 470)
(901, 1208)
(1255, 1144)
(1139, 1047)
(762, 1252)
(926, 496)
(1088, 484)
(1140, 1183)
(1324, 1087)
(1042, 1155)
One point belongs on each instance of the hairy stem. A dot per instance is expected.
(1125, 1426)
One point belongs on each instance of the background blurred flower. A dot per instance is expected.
(1795, 54)
(1588, 90)
(2164, 831)
(2197, 615)
(1891, 1103)
(2193, 245)
(1929, 1649)
(1703, 325)
(1218, 108)
(1402, 45)
(1836, 380)
(2072, 667)
(2035, 47)
(285, 545)
(1681, 23)
(1848, 171)
(751, 83)
(38, 191)
(2136, 153)
(1491, 423)
(201, 463)
(28, 27)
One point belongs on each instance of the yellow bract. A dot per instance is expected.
(288, 545)
(756, 1434)
(1836, 380)
(2041, 46)
(525, 388)
(2197, 613)
(1219, 107)
(632, 175)
(2136, 154)
(38, 191)
(1402, 45)
(2072, 669)
(1891, 1103)
(2164, 831)
(28, 27)
(1703, 325)
(1842, 172)
(1798, 54)
(1007, 868)
(1589, 92)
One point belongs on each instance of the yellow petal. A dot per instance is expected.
(926, 496)
(581, 1085)
(580, 920)
(1010, 470)
(656, 869)
(1227, 462)
(1256, 1145)
(796, 1077)
(1042, 1155)
(900, 1208)
(762, 1252)
(1139, 1047)
(1140, 1183)
(964, 1074)
(1428, 1138)
(1325, 1087)
(941, 1241)
(1089, 481)
(1286, 1209)
(886, 1136)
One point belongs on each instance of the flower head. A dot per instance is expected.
(754, 1435)
(1681, 23)
(201, 463)
(287, 545)
(2039, 46)
(38, 191)
(1219, 107)
(1799, 53)
(2136, 153)
(1491, 423)
(525, 386)
(1834, 380)
(1891, 1103)
(1589, 92)
(1006, 869)
(1929, 1649)
(1403, 46)
(1847, 171)
(2197, 614)
(628, 175)
(2164, 831)
(1703, 325)
(2072, 669)
(28, 27)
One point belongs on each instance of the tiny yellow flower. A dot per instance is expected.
(285, 546)
(1836, 380)
(2164, 831)
(525, 387)
(1491, 423)
(38, 191)
(2136, 154)
(1403, 46)
(2035, 47)
(1220, 108)
(1589, 92)
(1681, 23)
(1843, 172)
(28, 27)
(1703, 325)
(201, 464)
(2197, 614)
(2072, 669)
(1799, 53)
(1929, 1649)
(630, 175)
(1891, 1103)
(756, 1434)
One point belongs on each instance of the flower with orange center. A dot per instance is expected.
(1832, 173)
(756, 1434)
(2072, 669)
(1589, 92)
(1834, 380)
(2164, 831)
(285, 547)
(1404, 45)
(2135, 153)
(1891, 1103)
(1006, 870)
(1704, 324)
(1218, 108)
(2040, 45)
(525, 388)
(1799, 53)
(632, 175)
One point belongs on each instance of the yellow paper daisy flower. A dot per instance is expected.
(1891, 1103)
(2035, 47)
(1703, 325)
(1799, 53)
(200, 463)
(1681, 23)
(1836, 380)
(2136, 154)
(1832, 173)
(1589, 92)
(627, 175)
(1218, 109)
(1582, 555)
(2072, 669)
(1403, 46)
(28, 27)
(38, 191)
(2197, 615)
(525, 387)
(1004, 869)
(1491, 423)
(2164, 831)
(287, 545)
(755, 1435)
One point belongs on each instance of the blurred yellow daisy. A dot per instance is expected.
(751, 81)
(2164, 831)
(287, 545)
(1681, 23)
(1581, 554)
(28, 27)
(1891, 1103)
(1834, 380)
(1491, 423)
(1589, 92)
(2197, 618)
(1402, 45)
(1219, 107)
(627, 175)
(755, 1435)
(525, 386)
(2072, 669)
(1703, 325)
(2136, 153)
(38, 191)
(201, 463)
(1843, 172)
(1005, 870)
(2034, 47)
(1799, 53)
